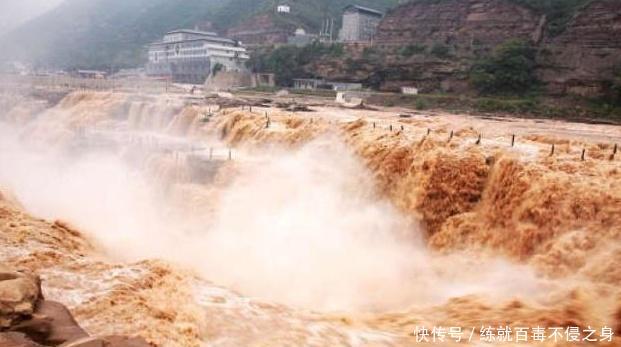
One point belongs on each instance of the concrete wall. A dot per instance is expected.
(226, 80)
(358, 27)
(351, 27)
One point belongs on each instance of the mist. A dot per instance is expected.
(14, 13)
(301, 227)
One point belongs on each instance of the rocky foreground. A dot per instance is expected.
(27, 319)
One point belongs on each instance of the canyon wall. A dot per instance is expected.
(581, 60)
(433, 45)
(465, 25)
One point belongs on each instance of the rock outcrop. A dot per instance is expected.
(466, 26)
(261, 30)
(581, 60)
(19, 293)
(28, 320)
(433, 45)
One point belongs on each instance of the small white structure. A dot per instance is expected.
(283, 8)
(301, 38)
(409, 90)
(350, 99)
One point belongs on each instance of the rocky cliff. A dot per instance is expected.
(466, 26)
(261, 29)
(581, 60)
(433, 44)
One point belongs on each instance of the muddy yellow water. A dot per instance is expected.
(192, 225)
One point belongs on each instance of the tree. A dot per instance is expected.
(217, 68)
(616, 86)
(510, 70)
(441, 50)
(289, 62)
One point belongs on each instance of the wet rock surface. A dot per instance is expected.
(19, 293)
(28, 320)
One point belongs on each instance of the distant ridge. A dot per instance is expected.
(112, 34)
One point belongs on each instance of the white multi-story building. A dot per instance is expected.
(190, 56)
(283, 8)
(359, 24)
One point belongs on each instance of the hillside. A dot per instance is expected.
(309, 14)
(14, 13)
(100, 33)
(266, 27)
(109, 34)
(505, 48)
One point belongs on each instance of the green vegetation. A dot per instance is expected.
(513, 106)
(101, 34)
(113, 34)
(440, 50)
(421, 104)
(558, 12)
(510, 70)
(217, 68)
(326, 93)
(307, 13)
(615, 87)
(369, 53)
(411, 50)
(610, 102)
(516, 106)
(287, 62)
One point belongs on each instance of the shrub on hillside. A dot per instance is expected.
(510, 70)
(616, 86)
(288, 62)
(558, 12)
(440, 50)
(411, 50)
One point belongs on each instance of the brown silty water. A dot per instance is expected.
(323, 229)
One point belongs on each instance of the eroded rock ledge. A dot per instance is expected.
(28, 320)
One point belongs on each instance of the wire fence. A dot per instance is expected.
(478, 139)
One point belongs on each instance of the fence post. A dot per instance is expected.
(552, 151)
(479, 140)
(614, 152)
(513, 140)
(451, 136)
(230, 154)
(582, 157)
